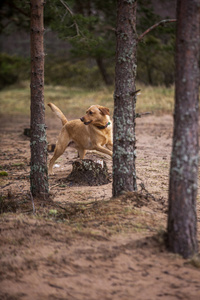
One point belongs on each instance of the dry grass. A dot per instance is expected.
(124, 214)
(157, 100)
(74, 101)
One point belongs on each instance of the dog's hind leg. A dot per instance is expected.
(61, 145)
(103, 150)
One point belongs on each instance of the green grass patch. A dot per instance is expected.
(74, 101)
(3, 173)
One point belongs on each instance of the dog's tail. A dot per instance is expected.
(58, 113)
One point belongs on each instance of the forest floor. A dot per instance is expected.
(82, 243)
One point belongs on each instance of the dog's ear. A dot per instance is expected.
(104, 110)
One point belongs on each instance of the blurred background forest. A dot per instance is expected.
(79, 41)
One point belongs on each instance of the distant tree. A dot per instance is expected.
(38, 174)
(182, 219)
(124, 176)
(88, 27)
(156, 52)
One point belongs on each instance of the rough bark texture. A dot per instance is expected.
(182, 225)
(38, 174)
(124, 175)
(88, 172)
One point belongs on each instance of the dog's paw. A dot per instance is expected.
(50, 173)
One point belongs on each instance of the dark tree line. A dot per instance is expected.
(89, 28)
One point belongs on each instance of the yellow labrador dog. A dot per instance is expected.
(92, 132)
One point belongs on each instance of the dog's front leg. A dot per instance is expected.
(103, 150)
(81, 153)
(109, 145)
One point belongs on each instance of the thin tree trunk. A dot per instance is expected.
(38, 174)
(103, 71)
(182, 223)
(124, 174)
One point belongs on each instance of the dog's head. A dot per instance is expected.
(96, 114)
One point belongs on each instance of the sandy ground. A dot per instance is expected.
(82, 244)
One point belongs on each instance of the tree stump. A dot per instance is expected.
(89, 172)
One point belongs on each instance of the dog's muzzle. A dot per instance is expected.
(86, 123)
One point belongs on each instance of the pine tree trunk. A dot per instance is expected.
(182, 219)
(38, 174)
(124, 174)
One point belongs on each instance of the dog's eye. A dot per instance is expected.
(90, 112)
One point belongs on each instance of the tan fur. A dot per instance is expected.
(84, 132)
(58, 112)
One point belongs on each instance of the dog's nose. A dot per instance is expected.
(82, 119)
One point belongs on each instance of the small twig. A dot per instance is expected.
(161, 23)
(53, 186)
(142, 114)
(7, 185)
(135, 92)
(72, 14)
(146, 191)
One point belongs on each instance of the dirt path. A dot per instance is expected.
(84, 245)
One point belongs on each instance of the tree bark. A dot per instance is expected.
(38, 173)
(89, 172)
(182, 219)
(124, 174)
